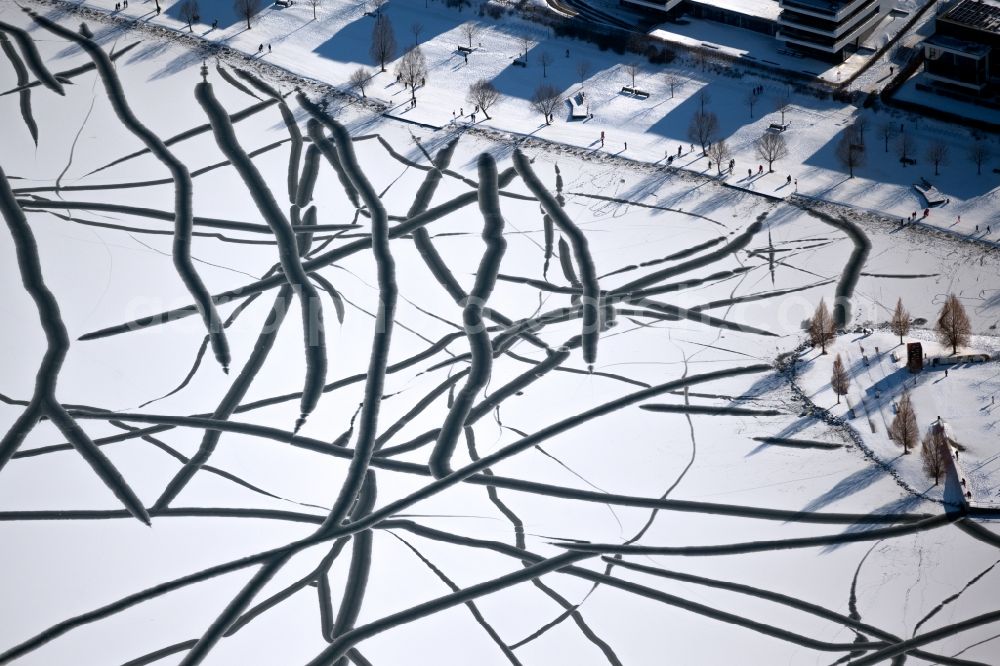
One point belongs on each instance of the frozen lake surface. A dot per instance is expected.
(397, 394)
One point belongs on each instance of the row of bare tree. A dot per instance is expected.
(953, 327)
(704, 129)
(904, 429)
(852, 150)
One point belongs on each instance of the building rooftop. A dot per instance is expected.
(832, 6)
(765, 9)
(980, 14)
(954, 44)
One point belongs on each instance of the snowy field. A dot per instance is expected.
(624, 475)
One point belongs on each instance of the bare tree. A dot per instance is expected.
(703, 99)
(189, 12)
(887, 130)
(719, 153)
(545, 59)
(840, 381)
(781, 103)
(752, 97)
(703, 128)
(953, 327)
(412, 70)
(632, 70)
(416, 28)
(246, 9)
(979, 153)
(934, 450)
(850, 152)
(546, 100)
(636, 43)
(359, 79)
(937, 154)
(821, 326)
(383, 47)
(770, 148)
(860, 125)
(483, 94)
(900, 322)
(583, 70)
(469, 30)
(315, 4)
(903, 430)
(700, 59)
(675, 82)
(526, 43)
(906, 145)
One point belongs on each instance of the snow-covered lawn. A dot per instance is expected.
(965, 398)
(333, 46)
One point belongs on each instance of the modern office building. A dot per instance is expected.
(829, 29)
(963, 55)
(826, 29)
(756, 15)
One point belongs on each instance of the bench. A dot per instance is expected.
(464, 49)
(777, 127)
(577, 107)
(283, 3)
(519, 63)
(907, 160)
(956, 360)
(635, 92)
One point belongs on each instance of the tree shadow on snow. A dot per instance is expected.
(846, 487)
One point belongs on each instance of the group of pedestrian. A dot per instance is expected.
(121, 5)
(260, 48)
(758, 90)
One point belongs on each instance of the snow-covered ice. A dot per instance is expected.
(672, 440)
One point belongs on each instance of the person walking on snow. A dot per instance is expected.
(602, 138)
